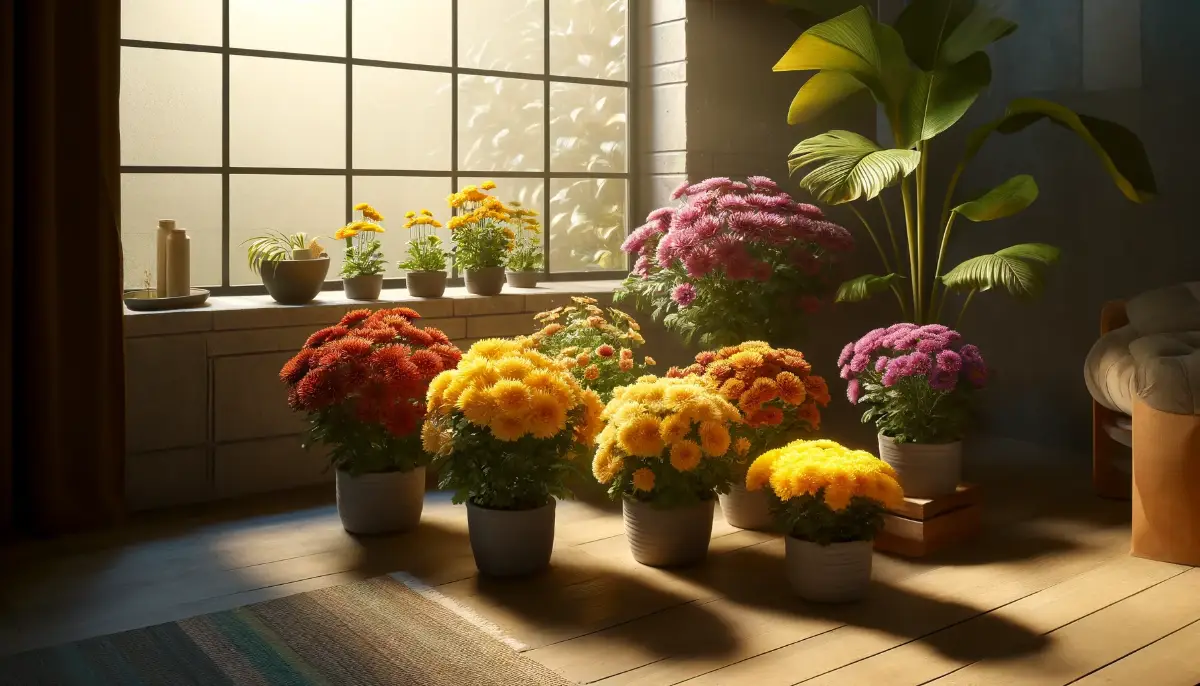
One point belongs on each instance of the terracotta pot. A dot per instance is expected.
(294, 282)
(365, 287)
(747, 509)
(834, 573)
(486, 281)
(527, 279)
(425, 284)
(925, 470)
(381, 503)
(511, 542)
(668, 537)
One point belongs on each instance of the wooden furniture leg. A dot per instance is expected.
(1108, 481)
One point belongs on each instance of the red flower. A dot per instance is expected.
(706, 358)
(297, 367)
(417, 336)
(396, 312)
(428, 362)
(437, 335)
(449, 353)
(605, 350)
(344, 349)
(329, 333)
(675, 373)
(321, 388)
(372, 400)
(354, 316)
(395, 367)
(403, 418)
(376, 334)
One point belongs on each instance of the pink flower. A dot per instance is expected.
(699, 263)
(811, 211)
(642, 266)
(767, 202)
(931, 345)
(684, 294)
(734, 203)
(680, 191)
(846, 372)
(944, 381)
(847, 353)
(870, 342)
(949, 361)
(881, 364)
(859, 363)
(667, 251)
(853, 391)
(706, 227)
(662, 214)
(762, 183)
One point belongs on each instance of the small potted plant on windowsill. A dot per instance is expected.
(362, 384)
(830, 501)
(504, 425)
(481, 238)
(362, 270)
(425, 267)
(524, 260)
(666, 453)
(292, 268)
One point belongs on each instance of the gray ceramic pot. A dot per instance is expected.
(671, 537)
(366, 287)
(511, 542)
(747, 509)
(925, 470)
(834, 573)
(294, 282)
(527, 279)
(425, 284)
(381, 503)
(486, 281)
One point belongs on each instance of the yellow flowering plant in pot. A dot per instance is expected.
(830, 501)
(504, 426)
(666, 452)
(780, 399)
(525, 259)
(594, 343)
(482, 237)
(426, 263)
(362, 268)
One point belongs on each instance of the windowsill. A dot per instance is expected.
(260, 311)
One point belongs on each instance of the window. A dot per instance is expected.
(239, 116)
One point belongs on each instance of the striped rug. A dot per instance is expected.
(391, 630)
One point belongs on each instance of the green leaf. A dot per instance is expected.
(849, 166)
(978, 30)
(1016, 269)
(938, 33)
(821, 92)
(937, 99)
(1004, 200)
(1120, 151)
(863, 287)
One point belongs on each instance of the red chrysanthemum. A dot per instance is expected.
(321, 388)
(376, 334)
(354, 317)
(329, 333)
(343, 350)
(437, 335)
(297, 367)
(416, 336)
(605, 350)
(372, 402)
(449, 353)
(405, 312)
(428, 362)
(402, 419)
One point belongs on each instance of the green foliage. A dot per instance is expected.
(673, 488)
(425, 254)
(272, 246)
(507, 475)
(480, 245)
(1017, 270)
(364, 257)
(863, 287)
(1004, 200)
(808, 518)
(363, 447)
(912, 411)
(848, 166)
(577, 335)
(526, 254)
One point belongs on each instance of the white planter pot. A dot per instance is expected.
(511, 542)
(668, 537)
(925, 470)
(834, 573)
(747, 509)
(381, 503)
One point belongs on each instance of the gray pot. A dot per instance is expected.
(671, 537)
(426, 284)
(834, 573)
(294, 282)
(364, 287)
(747, 509)
(381, 503)
(486, 281)
(511, 542)
(527, 279)
(925, 470)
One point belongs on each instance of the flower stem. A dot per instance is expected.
(887, 217)
(937, 270)
(919, 278)
(882, 255)
(958, 322)
(910, 228)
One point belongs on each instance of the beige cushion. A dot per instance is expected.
(1166, 310)
(1110, 370)
(1168, 371)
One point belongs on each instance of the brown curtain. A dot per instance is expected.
(62, 366)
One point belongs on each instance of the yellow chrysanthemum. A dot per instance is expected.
(509, 426)
(714, 438)
(812, 467)
(685, 455)
(434, 440)
(478, 406)
(488, 185)
(491, 348)
(510, 394)
(639, 437)
(514, 367)
(643, 480)
(437, 389)
(675, 428)
(606, 464)
(741, 446)
(679, 395)
(547, 416)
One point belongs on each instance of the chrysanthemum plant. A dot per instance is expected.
(737, 261)
(482, 236)
(526, 254)
(925, 71)
(667, 442)
(822, 492)
(774, 389)
(364, 256)
(425, 251)
(595, 344)
(916, 380)
(505, 425)
(362, 384)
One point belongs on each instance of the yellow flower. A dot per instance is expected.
(685, 455)
(371, 227)
(508, 426)
(434, 440)
(409, 214)
(514, 367)
(547, 416)
(643, 480)
(488, 185)
(807, 467)
(675, 428)
(510, 394)
(741, 446)
(714, 437)
(344, 233)
(493, 348)
(478, 406)
(639, 437)
(427, 213)
(649, 361)
(606, 464)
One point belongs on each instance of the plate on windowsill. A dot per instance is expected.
(147, 300)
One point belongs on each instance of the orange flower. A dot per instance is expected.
(595, 322)
(354, 317)
(329, 333)
(591, 373)
(625, 365)
(297, 367)
(791, 388)
(649, 361)
(605, 350)
(733, 389)
(583, 359)
(809, 413)
(818, 389)
(643, 480)
(430, 363)
(626, 354)
(767, 416)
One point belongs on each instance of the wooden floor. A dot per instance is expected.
(1049, 595)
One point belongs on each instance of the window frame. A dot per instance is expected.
(453, 175)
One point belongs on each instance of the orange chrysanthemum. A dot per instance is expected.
(297, 367)
(818, 389)
(354, 317)
(329, 333)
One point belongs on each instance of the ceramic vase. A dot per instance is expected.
(834, 573)
(381, 502)
(511, 542)
(924, 470)
(668, 537)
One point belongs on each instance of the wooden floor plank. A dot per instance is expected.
(1173, 660)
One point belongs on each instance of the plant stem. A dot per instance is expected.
(958, 322)
(937, 270)
(871, 232)
(910, 227)
(887, 217)
(919, 279)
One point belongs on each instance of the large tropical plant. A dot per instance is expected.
(925, 71)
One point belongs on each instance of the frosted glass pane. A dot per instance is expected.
(170, 108)
(172, 21)
(395, 195)
(502, 35)
(401, 119)
(285, 113)
(315, 205)
(193, 201)
(500, 124)
(588, 38)
(587, 128)
(587, 224)
(414, 31)
(314, 27)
